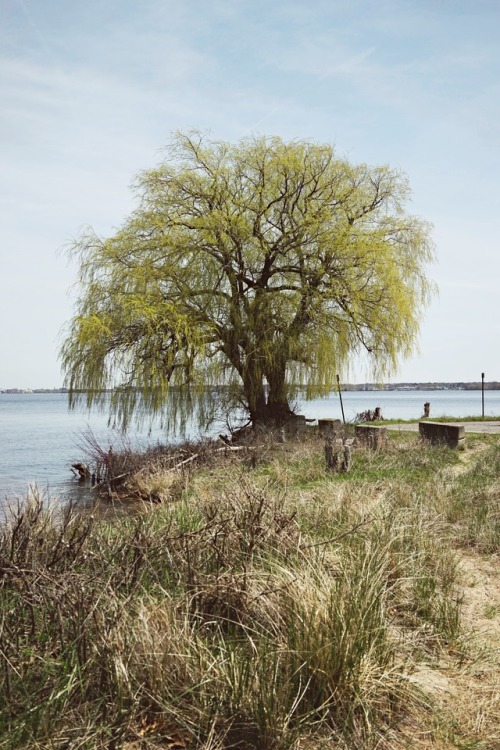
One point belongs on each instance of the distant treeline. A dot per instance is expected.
(33, 390)
(492, 385)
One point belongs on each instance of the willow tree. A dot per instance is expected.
(260, 265)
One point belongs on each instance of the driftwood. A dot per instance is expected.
(370, 416)
(108, 482)
(80, 470)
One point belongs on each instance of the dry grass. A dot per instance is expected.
(262, 604)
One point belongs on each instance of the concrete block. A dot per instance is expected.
(296, 425)
(443, 433)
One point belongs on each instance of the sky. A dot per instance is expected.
(91, 91)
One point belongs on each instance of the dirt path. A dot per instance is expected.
(475, 700)
(467, 696)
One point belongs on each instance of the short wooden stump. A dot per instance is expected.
(371, 436)
(329, 426)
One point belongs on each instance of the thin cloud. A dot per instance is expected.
(34, 27)
(323, 58)
(89, 97)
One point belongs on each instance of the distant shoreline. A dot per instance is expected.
(491, 385)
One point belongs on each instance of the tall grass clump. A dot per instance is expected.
(253, 610)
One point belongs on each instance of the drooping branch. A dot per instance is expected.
(259, 264)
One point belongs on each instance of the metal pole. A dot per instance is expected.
(482, 391)
(340, 396)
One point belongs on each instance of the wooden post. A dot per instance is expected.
(346, 465)
(341, 402)
(338, 454)
(329, 455)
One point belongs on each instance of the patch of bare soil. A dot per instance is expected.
(464, 694)
(467, 458)
(477, 705)
(481, 591)
(474, 705)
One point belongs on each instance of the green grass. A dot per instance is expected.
(463, 419)
(404, 460)
(381, 423)
(273, 608)
(474, 506)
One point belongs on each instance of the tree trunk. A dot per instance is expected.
(271, 409)
(278, 407)
(253, 386)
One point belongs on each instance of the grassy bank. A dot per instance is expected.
(264, 604)
(388, 422)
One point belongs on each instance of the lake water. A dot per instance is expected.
(40, 438)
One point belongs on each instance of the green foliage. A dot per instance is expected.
(260, 263)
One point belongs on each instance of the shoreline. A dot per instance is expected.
(491, 385)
